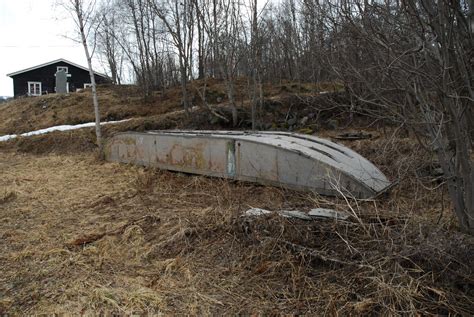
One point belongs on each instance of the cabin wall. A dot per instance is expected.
(45, 75)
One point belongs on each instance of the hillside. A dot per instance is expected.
(82, 236)
(124, 102)
(28, 114)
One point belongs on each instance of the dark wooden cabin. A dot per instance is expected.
(39, 80)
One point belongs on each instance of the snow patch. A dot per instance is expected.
(57, 128)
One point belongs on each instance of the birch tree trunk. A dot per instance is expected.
(79, 12)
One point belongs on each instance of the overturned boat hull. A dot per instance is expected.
(289, 160)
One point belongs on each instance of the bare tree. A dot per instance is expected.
(200, 31)
(177, 18)
(84, 17)
(224, 27)
(107, 45)
(228, 42)
(409, 62)
(256, 47)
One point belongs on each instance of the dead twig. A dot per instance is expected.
(92, 237)
(320, 255)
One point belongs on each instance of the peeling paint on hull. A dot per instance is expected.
(289, 160)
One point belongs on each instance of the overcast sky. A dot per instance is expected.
(33, 32)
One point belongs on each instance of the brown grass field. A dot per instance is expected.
(81, 236)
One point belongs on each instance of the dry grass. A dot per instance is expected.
(28, 114)
(125, 102)
(161, 242)
(80, 236)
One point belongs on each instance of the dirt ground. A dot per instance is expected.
(82, 236)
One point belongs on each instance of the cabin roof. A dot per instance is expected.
(50, 63)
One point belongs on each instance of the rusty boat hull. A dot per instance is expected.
(290, 160)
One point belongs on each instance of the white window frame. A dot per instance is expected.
(30, 93)
(87, 85)
(65, 68)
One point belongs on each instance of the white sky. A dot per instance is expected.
(33, 32)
